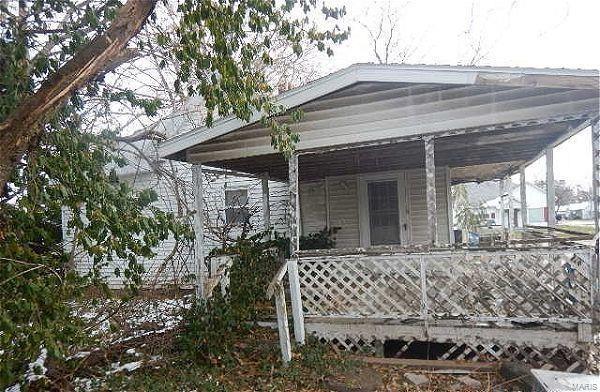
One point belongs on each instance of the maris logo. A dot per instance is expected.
(579, 386)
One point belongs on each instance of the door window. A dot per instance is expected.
(384, 221)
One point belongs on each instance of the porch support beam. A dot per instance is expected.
(550, 189)
(595, 172)
(266, 206)
(199, 230)
(501, 188)
(294, 204)
(293, 274)
(431, 191)
(511, 209)
(523, 189)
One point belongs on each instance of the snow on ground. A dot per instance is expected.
(113, 322)
(37, 369)
(132, 319)
(128, 367)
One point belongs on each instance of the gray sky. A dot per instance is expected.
(535, 33)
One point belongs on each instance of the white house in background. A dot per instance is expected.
(580, 210)
(231, 200)
(537, 209)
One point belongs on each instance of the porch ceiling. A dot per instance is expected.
(486, 119)
(472, 157)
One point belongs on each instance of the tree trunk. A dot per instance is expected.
(20, 132)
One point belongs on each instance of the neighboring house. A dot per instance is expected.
(232, 201)
(537, 210)
(580, 210)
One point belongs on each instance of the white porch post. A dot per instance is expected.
(266, 207)
(595, 174)
(550, 191)
(199, 230)
(501, 200)
(511, 207)
(293, 274)
(523, 189)
(431, 191)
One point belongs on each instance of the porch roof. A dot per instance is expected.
(487, 121)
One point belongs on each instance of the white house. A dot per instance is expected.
(537, 210)
(579, 210)
(379, 147)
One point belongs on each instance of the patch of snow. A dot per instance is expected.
(130, 351)
(79, 355)
(37, 370)
(128, 367)
(83, 384)
(13, 388)
(142, 315)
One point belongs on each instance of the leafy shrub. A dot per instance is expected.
(209, 330)
(323, 239)
(211, 327)
(37, 276)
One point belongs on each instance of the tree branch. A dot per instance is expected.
(21, 130)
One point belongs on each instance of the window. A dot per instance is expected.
(236, 207)
(384, 219)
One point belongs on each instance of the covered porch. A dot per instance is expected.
(380, 147)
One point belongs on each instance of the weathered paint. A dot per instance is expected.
(199, 230)
(523, 190)
(430, 192)
(550, 188)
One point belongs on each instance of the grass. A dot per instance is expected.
(587, 229)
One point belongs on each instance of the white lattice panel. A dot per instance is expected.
(502, 286)
(359, 286)
(563, 358)
(510, 285)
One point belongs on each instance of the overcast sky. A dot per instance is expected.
(534, 33)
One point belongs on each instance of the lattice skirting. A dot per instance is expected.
(571, 358)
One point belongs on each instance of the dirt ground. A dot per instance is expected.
(136, 350)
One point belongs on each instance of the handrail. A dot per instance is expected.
(277, 279)
(218, 274)
(275, 288)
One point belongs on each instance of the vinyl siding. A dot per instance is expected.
(314, 216)
(417, 205)
(343, 210)
(344, 207)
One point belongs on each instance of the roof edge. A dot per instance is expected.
(441, 74)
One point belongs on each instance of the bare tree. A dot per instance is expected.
(151, 75)
(388, 43)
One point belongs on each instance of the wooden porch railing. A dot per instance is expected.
(510, 286)
(276, 289)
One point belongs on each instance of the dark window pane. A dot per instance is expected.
(383, 212)
(236, 209)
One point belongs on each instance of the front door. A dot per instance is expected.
(384, 213)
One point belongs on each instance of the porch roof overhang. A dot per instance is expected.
(487, 121)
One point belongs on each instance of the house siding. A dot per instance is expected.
(417, 205)
(343, 202)
(159, 269)
(343, 210)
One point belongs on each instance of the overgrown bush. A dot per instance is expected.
(209, 330)
(211, 327)
(322, 239)
(37, 278)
